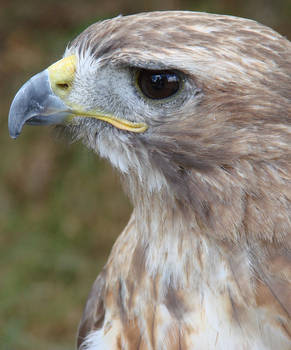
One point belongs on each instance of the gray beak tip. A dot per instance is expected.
(14, 124)
(14, 136)
(35, 104)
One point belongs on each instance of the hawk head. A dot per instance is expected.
(189, 105)
(194, 110)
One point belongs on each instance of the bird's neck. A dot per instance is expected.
(162, 242)
(171, 266)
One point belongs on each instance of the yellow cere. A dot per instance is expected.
(61, 75)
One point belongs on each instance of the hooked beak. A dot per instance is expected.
(35, 104)
(42, 100)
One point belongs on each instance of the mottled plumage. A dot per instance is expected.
(204, 262)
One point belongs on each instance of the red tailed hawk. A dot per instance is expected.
(194, 110)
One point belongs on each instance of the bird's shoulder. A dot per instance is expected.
(94, 312)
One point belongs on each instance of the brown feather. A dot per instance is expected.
(205, 260)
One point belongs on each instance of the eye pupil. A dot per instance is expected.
(158, 84)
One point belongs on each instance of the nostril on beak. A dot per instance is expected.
(63, 86)
(61, 75)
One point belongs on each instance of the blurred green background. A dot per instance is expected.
(61, 208)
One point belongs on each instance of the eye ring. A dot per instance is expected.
(158, 84)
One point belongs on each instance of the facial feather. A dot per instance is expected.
(203, 261)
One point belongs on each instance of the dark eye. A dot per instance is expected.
(158, 84)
